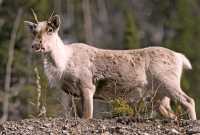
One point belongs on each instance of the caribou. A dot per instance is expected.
(88, 72)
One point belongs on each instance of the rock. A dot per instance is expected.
(1, 128)
(106, 133)
(65, 132)
(30, 127)
(57, 126)
(174, 131)
(47, 125)
(158, 126)
(103, 127)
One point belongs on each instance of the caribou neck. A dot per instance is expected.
(60, 54)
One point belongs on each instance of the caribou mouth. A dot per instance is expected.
(39, 49)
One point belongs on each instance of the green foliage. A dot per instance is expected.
(184, 25)
(121, 108)
(179, 111)
(43, 7)
(139, 109)
(26, 97)
(131, 35)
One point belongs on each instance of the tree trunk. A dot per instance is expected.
(9, 66)
(87, 22)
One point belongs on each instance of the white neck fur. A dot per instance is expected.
(60, 53)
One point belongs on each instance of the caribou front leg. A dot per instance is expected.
(87, 101)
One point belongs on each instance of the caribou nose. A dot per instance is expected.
(36, 46)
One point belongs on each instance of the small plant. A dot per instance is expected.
(144, 107)
(121, 108)
(40, 108)
(178, 110)
(38, 89)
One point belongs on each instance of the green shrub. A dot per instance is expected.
(121, 108)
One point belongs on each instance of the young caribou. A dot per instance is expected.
(88, 72)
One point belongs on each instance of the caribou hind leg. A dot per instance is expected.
(187, 102)
(175, 93)
(165, 108)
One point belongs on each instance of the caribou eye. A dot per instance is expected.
(33, 27)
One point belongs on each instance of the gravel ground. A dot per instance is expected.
(122, 126)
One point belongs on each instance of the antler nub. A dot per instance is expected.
(35, 16)
(51, 15)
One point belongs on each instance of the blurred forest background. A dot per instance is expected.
(113, 24)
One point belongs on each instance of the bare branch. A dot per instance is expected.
(9, 65)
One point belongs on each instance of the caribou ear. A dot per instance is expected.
(31, 25)
(54, 22)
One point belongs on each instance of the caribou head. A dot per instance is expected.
(44, 33)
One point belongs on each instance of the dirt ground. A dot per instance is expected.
(115, 126)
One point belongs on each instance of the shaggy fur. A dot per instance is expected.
(89, 72)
